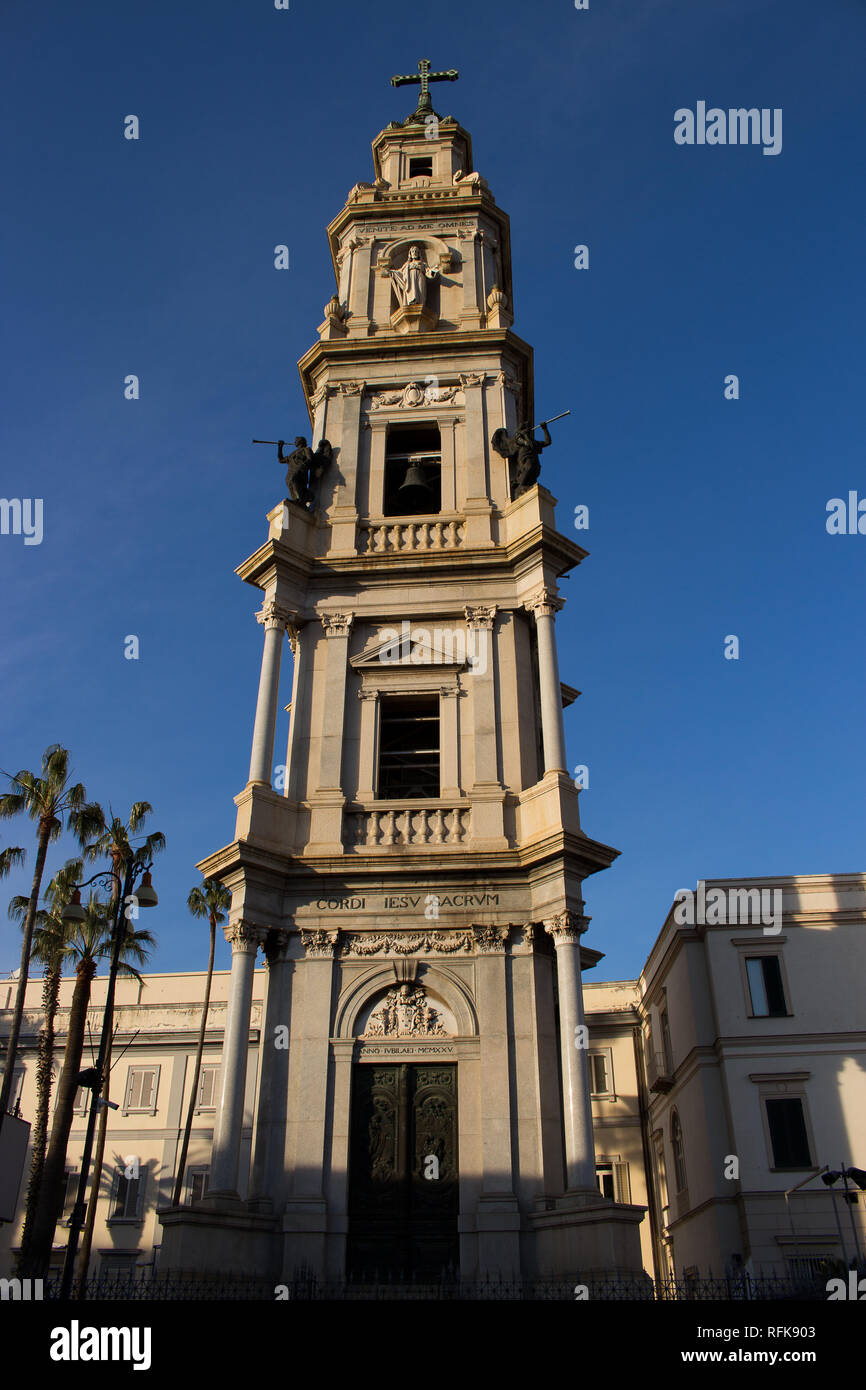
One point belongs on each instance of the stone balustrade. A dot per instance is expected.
(401, 825)
(405, 536)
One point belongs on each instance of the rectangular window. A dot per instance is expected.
(141, 1088)
(68, 1194)
(600, 1074)
(199, 1181)
(421, 167)
(765, 987)
(207, 1088)
(413, 471)
(126, 1205)
(604, 1177)
(788, 1136)
(409, 747)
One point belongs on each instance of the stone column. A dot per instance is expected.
(294, 783)
(320, 947)
(544, 605)
(488, 797)
(470, 314)
(566, 930)
(498, 1217)
(376, 488)
(275, 619)
(270, 1137)
(449, 769)
(225, 1159)
(368, 751)
(337, 629)
(474, 473)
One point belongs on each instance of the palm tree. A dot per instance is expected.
(11, 858)
(211, 900)
(49, 939)
(46, 799)
(112, 843)
(87, 943)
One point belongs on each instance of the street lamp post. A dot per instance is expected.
(139, 863)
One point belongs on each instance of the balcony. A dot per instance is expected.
(399, 825)
(660, 1072)
(407, 535)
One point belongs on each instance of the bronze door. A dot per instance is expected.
(403, 1190)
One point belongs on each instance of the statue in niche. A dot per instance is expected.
(304, 470)
(521, 450)
(410, 282)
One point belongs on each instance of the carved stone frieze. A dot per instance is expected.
(413, 394)
(406, 944)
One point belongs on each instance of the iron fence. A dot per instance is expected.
(237, 1287)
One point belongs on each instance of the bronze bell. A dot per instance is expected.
(415, 489)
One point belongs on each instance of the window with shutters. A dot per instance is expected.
(601, 1072)
(613, 1181)
(126, 1203)
(198, 1181)
(207, 1088)
(678, 1152)
(142, 1084)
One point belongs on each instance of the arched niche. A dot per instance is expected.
(443, 987)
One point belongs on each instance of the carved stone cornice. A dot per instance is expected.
(490, 940)
(544, 604)
(244, 937)
(337, 624)
(480, 615)
(566, 928)
(274, 615)
(319, 943)
(405, 943)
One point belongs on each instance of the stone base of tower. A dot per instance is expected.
(221, 1236)
(578, 1235)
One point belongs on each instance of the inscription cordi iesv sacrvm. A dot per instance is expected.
(406, 902)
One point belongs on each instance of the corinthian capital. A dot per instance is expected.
(337, 624)
(319, 943)
(480, 615)
(244, 937)
(490, 940)
(544, 603)
(566, 928)
(274, 615)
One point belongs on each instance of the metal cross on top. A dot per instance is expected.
(424, 77)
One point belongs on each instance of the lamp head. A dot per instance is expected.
(73, 911)
(146, 893)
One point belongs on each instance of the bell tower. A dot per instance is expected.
(411, 866)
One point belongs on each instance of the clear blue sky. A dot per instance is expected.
(707, 516)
